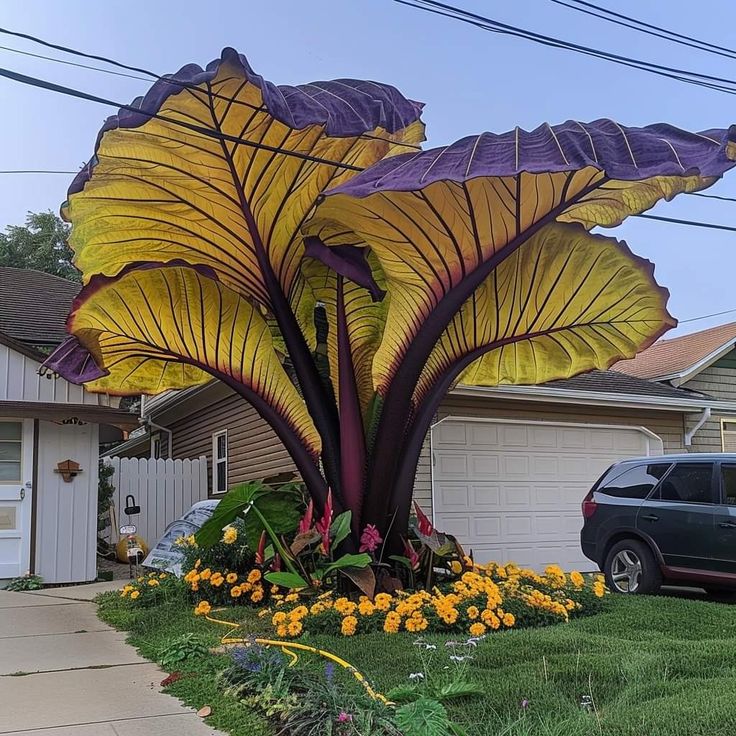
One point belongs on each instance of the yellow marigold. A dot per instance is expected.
(473, 612)
(348, 626)
(345, 607)
(232, 577)
(217, 580)
(235, 591)
(392, 623)
(202, 609)
(298, 613)
(477, 629)
(194, 586)
(153, 582)
(230, 535)
(508, 619)
(577, 579)
(599, 589)
(135, 594)
(278, 618)
(191, 541)
(416, 623)
(274, 589)
(257, 595)
(366, 608)
(382, 602)
(316, 608)
(456, 567)
(206, 574)
(254, 576)
(282, 631)
(294, 628)
(291, 597)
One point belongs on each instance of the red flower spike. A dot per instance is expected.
(276, 564)
(323, 525)
(425, 525)
(306, 523)
(261, 551)
(411, 554)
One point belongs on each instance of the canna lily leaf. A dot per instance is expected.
(440, 221)
(564, 303)
(227, 171)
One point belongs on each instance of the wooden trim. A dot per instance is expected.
(55, 412)
(34, 498)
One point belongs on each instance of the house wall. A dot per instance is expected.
(719, 381)
(254, 451)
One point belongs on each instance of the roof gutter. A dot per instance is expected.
(595, 398)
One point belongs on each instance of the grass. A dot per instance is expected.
(652, 666)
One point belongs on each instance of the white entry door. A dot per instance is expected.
(511, 491)
(16, 472)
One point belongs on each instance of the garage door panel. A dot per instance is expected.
(512, 491)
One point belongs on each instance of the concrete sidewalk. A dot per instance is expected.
(65, 673)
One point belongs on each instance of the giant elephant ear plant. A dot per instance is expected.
(220, 213)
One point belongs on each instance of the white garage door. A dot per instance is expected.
(511, 491)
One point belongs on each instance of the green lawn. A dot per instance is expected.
(658, 666)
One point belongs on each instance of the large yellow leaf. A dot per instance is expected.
(226, 172)
(154, 329)
(564, 303)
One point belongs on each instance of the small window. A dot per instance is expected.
(728, 436)
(219, 462)
(11, 443)
(688, 483)
(636, 482)
(728, 476)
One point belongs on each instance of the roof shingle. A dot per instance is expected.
(678, 354)
(34, 305)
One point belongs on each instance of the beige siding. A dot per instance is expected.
(666, 425)
(719, 381)
(254, 451)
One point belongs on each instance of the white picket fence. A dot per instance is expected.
(164, 489)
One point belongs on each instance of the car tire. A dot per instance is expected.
(630, 568)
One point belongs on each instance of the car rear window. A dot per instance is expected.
(636, 482)
(688, 483)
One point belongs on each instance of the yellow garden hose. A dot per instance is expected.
(288, 647)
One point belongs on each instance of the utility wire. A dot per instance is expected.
(706, 316)
(691, 223)
(489, 24)
(648, 28)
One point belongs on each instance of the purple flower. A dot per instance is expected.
(344, 717)
(370, 539)
(329, 672)
(524, 704)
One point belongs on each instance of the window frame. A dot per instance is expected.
(715, 492)
(722, 486)
(217, 461)
(724, 432)
(20, 441)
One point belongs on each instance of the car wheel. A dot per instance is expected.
(630, 568)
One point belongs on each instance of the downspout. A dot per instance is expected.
(153, 425)
(704, 417)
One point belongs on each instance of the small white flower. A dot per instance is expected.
(416, 676)
(460, 658)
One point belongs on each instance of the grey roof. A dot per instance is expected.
(619, 383)
(34, 305)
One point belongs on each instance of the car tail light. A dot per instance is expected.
(589, 506)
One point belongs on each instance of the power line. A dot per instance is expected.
(691, 223)
(489, 24)
(210, 132)
(706, 316)
(648, 28)
(73, 63)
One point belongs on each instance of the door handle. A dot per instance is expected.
(650, 517)
(727, 525)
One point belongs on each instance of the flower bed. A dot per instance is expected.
(484, 599)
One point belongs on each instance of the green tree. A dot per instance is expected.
(40, 244)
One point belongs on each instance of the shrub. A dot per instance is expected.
(153, 589)
(25, 582)
(480, 601)
(180, 649)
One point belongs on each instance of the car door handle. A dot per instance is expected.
(727, 525)
(650, 517)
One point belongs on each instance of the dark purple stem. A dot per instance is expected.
(352, 438)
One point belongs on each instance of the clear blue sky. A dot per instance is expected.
(469, 79)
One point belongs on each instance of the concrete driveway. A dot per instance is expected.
(65, 673)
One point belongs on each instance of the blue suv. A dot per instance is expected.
(669, 519)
